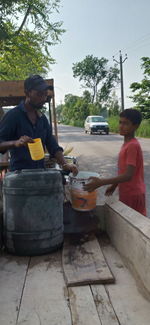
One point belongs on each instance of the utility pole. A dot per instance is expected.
(121, 77)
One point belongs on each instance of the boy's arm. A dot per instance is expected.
(110, 189)
(96, 182)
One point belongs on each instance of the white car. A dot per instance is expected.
(96, 124)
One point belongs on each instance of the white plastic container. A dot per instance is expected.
(82, 200)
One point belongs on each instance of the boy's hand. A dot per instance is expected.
(110, 190)
(23, 141)
(95, 182)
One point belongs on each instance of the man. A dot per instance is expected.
(24, 123)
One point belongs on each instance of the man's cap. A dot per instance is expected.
(36, 82)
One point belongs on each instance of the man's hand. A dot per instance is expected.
(71, 167)
(94, 183)
(110, 189)
(23, 141)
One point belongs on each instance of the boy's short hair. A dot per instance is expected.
(132, 115)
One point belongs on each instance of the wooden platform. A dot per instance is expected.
(33, 292)
(83, 261)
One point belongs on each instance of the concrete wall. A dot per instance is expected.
(129, 232)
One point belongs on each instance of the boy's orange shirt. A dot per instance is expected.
(131, 154)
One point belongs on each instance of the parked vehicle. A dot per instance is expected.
(96, 124)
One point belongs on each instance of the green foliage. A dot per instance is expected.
(76, 109)
(87, 96)
(59, 111)
(23, 59)
(93, 71)
(144, 129)
(141, 90)
(113, 105)
(94, 109)
(114, 123)
(25, 36)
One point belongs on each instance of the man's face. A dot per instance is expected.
(36, 98)
(126, 127)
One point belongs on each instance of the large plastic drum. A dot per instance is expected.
(1, 223)
(33, 211)
(82, 200)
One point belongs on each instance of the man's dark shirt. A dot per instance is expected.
(16, 124)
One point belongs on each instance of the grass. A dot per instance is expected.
(143, 131)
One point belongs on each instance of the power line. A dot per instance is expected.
(136, 47)
(133, 44)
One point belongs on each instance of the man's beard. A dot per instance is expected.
(36, 106)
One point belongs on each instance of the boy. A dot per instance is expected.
(130, 179)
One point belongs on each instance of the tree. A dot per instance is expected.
(87, 96)
(141, 90)
(59, 109)
(75, 110)
(93, 71)
(113, 105)
(105, 92)
(68, 111)
(26, 32)
(23, 60)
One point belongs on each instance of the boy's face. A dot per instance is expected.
(126, 127)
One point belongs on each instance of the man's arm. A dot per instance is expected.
(57, 152)
(8, 127)
(65, 166)
(6, 145)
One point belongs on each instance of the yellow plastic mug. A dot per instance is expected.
(36, 149)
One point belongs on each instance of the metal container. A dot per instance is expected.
(33, 211)
(71, 159)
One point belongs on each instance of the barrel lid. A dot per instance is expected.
(32, 177)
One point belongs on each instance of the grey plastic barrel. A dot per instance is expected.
(1, 223)
(33, 211)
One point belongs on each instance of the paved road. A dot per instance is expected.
(99, 153)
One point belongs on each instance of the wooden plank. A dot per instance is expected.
(54, 118)
(104, 306)
(82, 306)
(15, 88)
(45, 300)
(84, 263)
(129, 300)
(12, 276)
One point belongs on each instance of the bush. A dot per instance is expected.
(77, 123)
(144, 129)
(114, 124)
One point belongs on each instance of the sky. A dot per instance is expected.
(100, 28)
